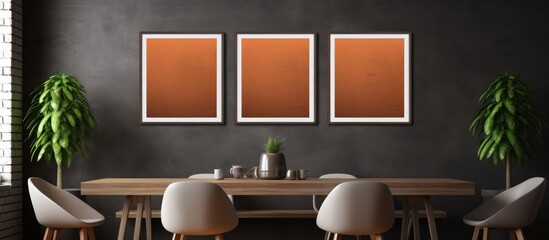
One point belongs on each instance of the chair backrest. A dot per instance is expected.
(202, 176)
(317, 201)
(516, 207)
(56, 208)
(207, 176)
(357, 208)
(197, 208)
(337, 176)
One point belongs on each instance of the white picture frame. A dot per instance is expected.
(240, 118)
(406, 81)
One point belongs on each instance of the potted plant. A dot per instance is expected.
(508, 123)
(58, 121)
(272, 164)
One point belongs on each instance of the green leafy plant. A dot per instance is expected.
(274, 145)
(508, 123)
(58, 121)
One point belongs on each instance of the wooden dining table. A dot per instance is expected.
(417, 193)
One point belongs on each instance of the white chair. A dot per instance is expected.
(357, 208)
(513, 209)
(202, 176)
(197, 208)
(207, 176)
(57, 209)
(317, 200)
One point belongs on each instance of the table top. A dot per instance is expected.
(311, 186)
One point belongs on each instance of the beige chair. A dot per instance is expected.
(202, 176)
(317, 200)
(207, 176)
(197, 208)
(513, 209)
(357, 208)
(57, 209)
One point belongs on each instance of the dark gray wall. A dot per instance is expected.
(458, 48)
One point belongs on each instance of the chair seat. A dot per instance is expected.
(57, 210)
(489, 223)
(514, 208)
(475, 222)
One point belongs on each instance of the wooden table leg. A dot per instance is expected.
(405, 218)
(148, 216)
(415, 218)
(409, 228)
(138, 217)
(430, 217)
(124, 219)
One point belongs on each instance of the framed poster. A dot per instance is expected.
(275, 79)
(182, 78)
(370, 78)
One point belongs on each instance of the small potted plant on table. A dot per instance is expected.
(272, 164)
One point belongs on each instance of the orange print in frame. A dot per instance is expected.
(276, 78)
(370, 78)
(181, 78)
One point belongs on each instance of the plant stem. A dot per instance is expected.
(508, 172)
(60, 176)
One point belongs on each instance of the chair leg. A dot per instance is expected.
(476, 232)
(218, 237)
(376, 237)
(83, 234)
(56, 234)
(512, 235)
(519, 233)
(485, 233)
(178, 237)
(91, 234)
(337, 236)
(327, 236)
(48, 234)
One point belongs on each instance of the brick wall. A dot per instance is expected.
(11, 134)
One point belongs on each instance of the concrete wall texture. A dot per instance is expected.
(458, 48)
